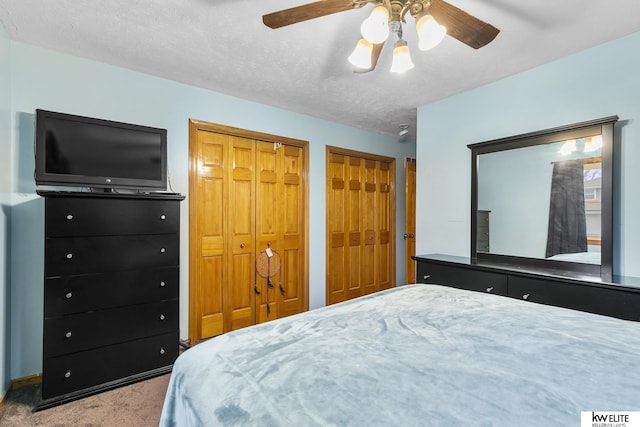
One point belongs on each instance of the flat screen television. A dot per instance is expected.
(87, 152)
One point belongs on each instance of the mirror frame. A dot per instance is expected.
(604, 127)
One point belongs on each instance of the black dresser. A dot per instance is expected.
(617, 297)
(111, 290)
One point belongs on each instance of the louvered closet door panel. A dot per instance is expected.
(384, 261)
(241, 232)
(291, 242)
(370, 224)
(211, 229)
(354, 214)
(336, 228)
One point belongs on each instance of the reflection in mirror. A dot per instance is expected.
(545, 197)
(552, 208)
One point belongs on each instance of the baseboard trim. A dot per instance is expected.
(20, 382)
(25, 381)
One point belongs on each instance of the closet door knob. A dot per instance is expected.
(163, 217)
(162, 317)
(163, 284)
(68, 295)
(69, 256)
(162, 250)
(162, 350)
(67, 374)
(68, 334)
(241, 245)
(69, 217)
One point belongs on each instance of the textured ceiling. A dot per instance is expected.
(222, 45)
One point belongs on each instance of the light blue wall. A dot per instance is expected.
(5, 205)
(49, 80)
(599, 82)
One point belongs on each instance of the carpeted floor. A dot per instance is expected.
(137, 405)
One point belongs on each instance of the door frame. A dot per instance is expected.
(193, 196)
(410, 219)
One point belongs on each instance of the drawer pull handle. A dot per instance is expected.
(242, 245)
(68, 334)
(67, 374)
(162, 317)
(163, 217)
(69, 217)
(162, 350)
(163, 284)
(162, 250)
(426, 277)
(69, 256)
(490, 289)
(68, 295)
(525, 296)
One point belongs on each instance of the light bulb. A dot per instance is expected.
(401, 58)
(375, 29)
(361, 55)
(430, 33)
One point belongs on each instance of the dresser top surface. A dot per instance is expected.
(112, 195)
(572, 276)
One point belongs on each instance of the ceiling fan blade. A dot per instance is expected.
(375, 55)
(305, 12)
(462, 26)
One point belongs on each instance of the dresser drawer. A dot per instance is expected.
(97, 217)
(89, 292)
(76, 332)
(606, 301)
(77, 255)
(66, 374)
(463, 278)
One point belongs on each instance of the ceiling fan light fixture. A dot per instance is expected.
(361, 55)
(375, 29)
(430, 33)
(401, 58)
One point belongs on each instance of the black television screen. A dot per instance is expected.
(88, 152)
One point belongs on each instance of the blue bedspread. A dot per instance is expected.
(419, 355)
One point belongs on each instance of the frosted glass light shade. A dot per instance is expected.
(375, 29)
(430, 33)
(401, 58)
(361, 55)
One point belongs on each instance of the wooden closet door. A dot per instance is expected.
(370, 220)
(291, 298)
(336, 228)
(240, 302)
(385, 261)
(224, 221)
(243, 195)
(360, 207)
(208, 219)
(280, 227)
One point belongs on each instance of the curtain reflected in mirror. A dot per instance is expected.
(567, 231)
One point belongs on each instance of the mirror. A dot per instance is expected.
(544, 198)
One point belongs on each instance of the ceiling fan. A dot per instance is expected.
(434, 19)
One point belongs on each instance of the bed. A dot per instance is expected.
(416, 355)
